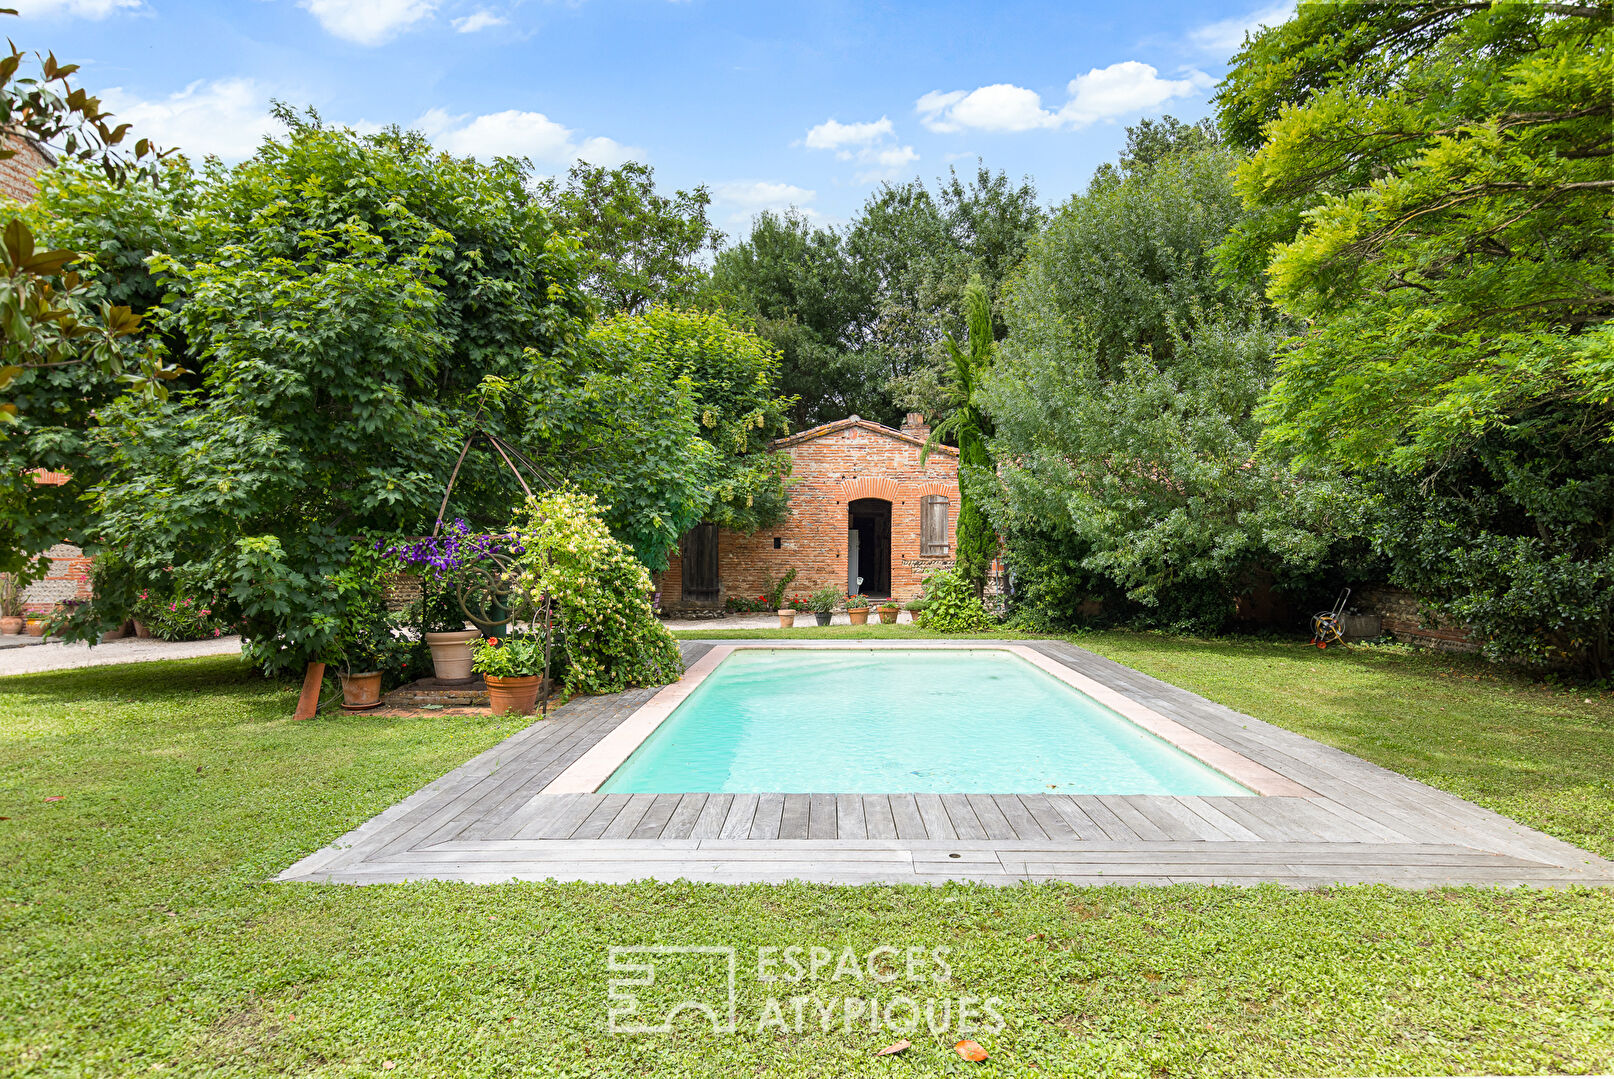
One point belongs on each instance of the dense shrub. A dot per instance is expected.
(951, 605)
(609, 638)
(172, 615)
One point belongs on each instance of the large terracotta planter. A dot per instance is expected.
(35, 627)
(888, 615)
(858, 615)
(10, 625)
(141, 631)
(518, 693)
(787, 619)
(361, 691)
(451, 654)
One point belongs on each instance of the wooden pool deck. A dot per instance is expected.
(489, 821)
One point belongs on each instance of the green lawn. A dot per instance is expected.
(138, 933)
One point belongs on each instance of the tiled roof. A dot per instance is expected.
(857, 421)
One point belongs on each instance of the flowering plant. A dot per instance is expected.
(601, 596)
(742, 605)
(792, 603)
(171, 616)
(508, 657)
(455, 549)
(857, 601)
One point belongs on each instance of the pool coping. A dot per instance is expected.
(586, 774)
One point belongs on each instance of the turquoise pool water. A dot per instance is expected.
(890, 721)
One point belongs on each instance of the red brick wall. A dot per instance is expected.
(17, 172)
(831, 466)
(67, 578)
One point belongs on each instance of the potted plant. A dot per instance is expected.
(822, 603)
(888, 612)
(857, 609)
(443, 562)
(916, 609)
(11, 620)
(787, 611)
(371, 646)
(446, 635)
(513, 668)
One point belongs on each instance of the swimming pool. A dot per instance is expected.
(977, 720)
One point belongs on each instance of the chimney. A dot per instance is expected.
(914, 425)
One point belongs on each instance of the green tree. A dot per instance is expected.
(350, 297)
(730, 375)
(1123, 405)
(1430, 190)
(976, 541)
(643, 247)
(802, 292)
(65, 347)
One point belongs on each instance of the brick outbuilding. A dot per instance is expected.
(861, 505)
(17, 172)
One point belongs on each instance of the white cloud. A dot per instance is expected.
(227, 117)
(479, 20)
(513, 133)
(82, 9)
(369, 22)
(831, 135)
(1226, 36)
(999, 107)
(885, 162)
(870, 143)
(1101, 94)
(1123, 88)
(743, 199)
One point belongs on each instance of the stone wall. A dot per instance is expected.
(833, 465)
(1404, 618)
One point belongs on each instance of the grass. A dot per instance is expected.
(139, 934)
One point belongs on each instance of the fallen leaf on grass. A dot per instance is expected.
(970, 1050)
(388, 1065)
(54, 797)
(894, 1047)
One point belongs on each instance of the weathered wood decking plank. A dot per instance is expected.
(769, 815)
(738, 824)
(794, 820)
(906, 818)
(709, 825)
(489, 820)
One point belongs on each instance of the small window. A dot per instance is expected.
(933, 526)
(777, 543)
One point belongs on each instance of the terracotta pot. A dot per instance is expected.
(888, 615)
(35, 627)
(140, 629)
(361, 691)
(787, 619)
(858, 615)
(11, 625)
(823, 617)
(517, 693)
(451, 654)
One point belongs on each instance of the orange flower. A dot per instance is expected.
(493, 641)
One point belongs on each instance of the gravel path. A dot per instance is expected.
(57, 656)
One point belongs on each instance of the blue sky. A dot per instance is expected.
(767, 103)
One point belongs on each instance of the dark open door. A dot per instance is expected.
(700, 564)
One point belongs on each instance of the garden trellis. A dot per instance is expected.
(490, 588)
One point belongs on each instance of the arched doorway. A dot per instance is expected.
(868, 546)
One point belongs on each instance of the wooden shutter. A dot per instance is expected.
(700, 563)
(933, 526)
